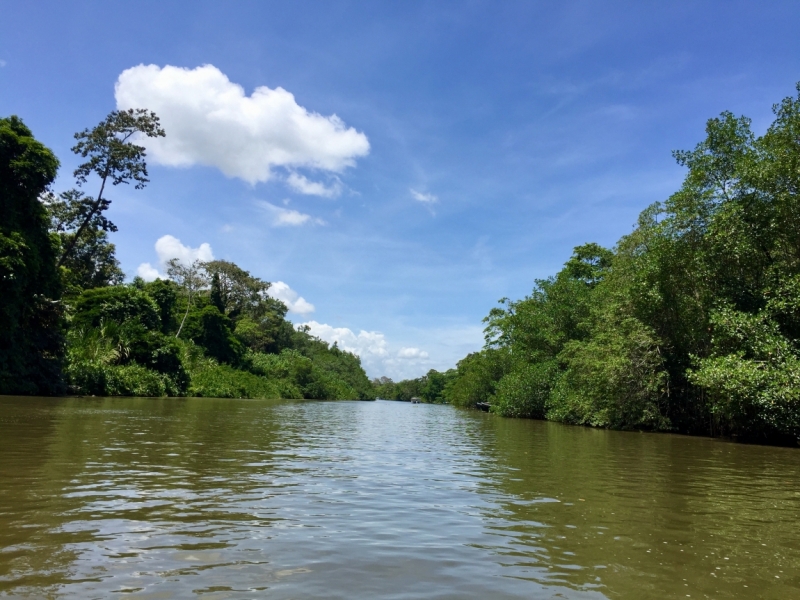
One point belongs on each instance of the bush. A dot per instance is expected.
(223, 381)
(97, 379)
(303, 377)
(525, 390)
(160, 353)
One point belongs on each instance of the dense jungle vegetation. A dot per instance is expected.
(69, 325)
(689, 324)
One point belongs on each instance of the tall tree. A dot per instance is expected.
(113, 158)
(30, 337)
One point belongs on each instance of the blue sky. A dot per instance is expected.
(474, 144)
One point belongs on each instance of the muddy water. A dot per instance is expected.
(183, 498)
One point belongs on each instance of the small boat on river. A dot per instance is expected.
(416, 400)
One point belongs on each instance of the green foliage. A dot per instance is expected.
(92, 261)
(308, 378)
(121, 304)
(235, 292)
(752, 376)
(476, 377)
(192, 280)
(340, 371)
(96, 378)
(525, 390)
(271, 333)
(223, 381)
(31, 346)
(213, 331)
(216, 294)
(165, 294)
(113, 343)
(163, 337)
(613, 379)
(127, 325)
(435, 384)
(383, 388)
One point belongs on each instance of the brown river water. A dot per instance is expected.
(186, 498)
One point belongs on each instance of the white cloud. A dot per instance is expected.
(301, 184)
(410, 353)
(293, 301)
(148, 272)
(286, 217)
(377, 356)
(424, 197)
(209, 120)
(169, 247)
(367, 344)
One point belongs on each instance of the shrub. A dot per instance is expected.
(525, 390)
(223, 381)
(98, 379)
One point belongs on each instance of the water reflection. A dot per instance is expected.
(231, 499)
(651, 516)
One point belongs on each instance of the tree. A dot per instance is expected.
(435, 383)
(191, 278)
(92, 262)
(31, 345)
(236, 291)
(212, 330)
(115, 159)
(216, 294)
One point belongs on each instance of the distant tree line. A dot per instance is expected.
(68, 323)
(691, 323)
(429, 388)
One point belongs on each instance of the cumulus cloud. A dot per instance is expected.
(209, 120)
(424, 197)
(169, 247)
(366, 344)
(411, 353)
(377, 356)
(301, 184)
(148, 272)
(286, 217)
(293, 301)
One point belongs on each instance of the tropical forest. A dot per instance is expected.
(69, 324)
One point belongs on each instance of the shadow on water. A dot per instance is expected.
(649, 515)
(233, 499)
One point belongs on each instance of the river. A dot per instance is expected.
(184, 498)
